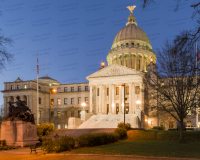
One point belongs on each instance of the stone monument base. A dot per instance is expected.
(19, 133)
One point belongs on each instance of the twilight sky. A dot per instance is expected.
(77, 34)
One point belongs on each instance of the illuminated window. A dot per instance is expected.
(86, 99)
(79, 100)
(79, 88)
(59, 114)
(65, 100)
(132, 64)
(59, 126)
(107, 91)
(137, 90)
(127, 90)
(117, 91)
(25, 86)
(65, 126)
(138, 64)
(59, 101)
(52, 101)
(72, 100)
(127, 63)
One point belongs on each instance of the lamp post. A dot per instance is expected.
(51, 90)
(138, 102)
(123, 85)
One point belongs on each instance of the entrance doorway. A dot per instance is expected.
(117, 108)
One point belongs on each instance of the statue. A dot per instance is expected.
(131, 8)
(20, 112)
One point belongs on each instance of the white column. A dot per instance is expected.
(110, 99)
(134, 101)
(123, 99)
(103, 99)
(100, 99)
(113, 105)
(91, 99)
(130, 98)
(120, 100)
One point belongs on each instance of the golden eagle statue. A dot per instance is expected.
(131, 8)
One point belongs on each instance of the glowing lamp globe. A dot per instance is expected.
(103, 64)
(151, 60)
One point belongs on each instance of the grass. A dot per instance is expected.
(151, 143)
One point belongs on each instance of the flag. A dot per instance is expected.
(37, 66)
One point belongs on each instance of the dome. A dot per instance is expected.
(131, 32)
(46, 80)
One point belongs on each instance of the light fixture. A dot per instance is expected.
(103, 64)
(138, 102)
(151, 59)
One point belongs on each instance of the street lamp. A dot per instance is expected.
(138, 103)
(54, 91)
(123, 85)
(83, 105)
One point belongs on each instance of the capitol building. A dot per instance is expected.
(111, 92)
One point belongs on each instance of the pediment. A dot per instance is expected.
(114, 70)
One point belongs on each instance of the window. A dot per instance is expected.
(25, 86)
(65, 89)
(132, 64)
(65, 126)
(18, 86)
(132, 44)
(58, 89)
(65, 100)
(59, 114)
(39, 88)
(12, 87)
(40, 100)
(72, 100)
(86, 99)
(171, 124)
(39, 114)
(72, 89)
(127, 90)
(59, 101)
(59, 126)
(79, 100)
(52, 101)
(86, 88)
(107, 91)
(79, 88)
(138, 64)
(127, 63)
(117, 91)
(97, 91)
(52, 113)
(137, 90)
(126, 44)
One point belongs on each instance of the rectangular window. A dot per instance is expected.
(72, 100)
(18, 86)
(52, 101)
(58, 89)
(65, 100)
(72, 89)
(59, 114)
(52, 113)
(86, 99)
(65, 126)
(137, 90)
(107, 91)
(59, 126)
(39, 114)
(127, 90)
(12, 87)
(79, 100)
(117, 91)
(86, 88)
(138, 64)
(25, 86)
(59, 101)
(79, 88)
(97, 91)
(132, 64)
(40, 100)
(127, 63)
(65, 89)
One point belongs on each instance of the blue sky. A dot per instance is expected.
(77, 35)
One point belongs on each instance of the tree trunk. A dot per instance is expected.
(181, 131)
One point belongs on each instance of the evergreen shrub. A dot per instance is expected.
(127, 126)
(44, 129)
(122, 132)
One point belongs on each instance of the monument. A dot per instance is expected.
(18, 127)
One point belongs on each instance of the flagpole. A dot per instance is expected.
(37, 91)
(197, 110)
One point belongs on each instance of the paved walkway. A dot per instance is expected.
(24, 154)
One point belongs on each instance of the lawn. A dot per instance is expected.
(146, 148)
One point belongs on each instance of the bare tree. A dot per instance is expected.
(172, 84)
